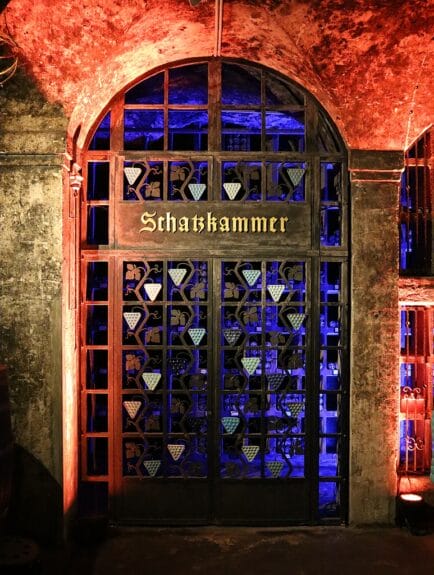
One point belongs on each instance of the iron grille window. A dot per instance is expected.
(416, 377)
(416, 209)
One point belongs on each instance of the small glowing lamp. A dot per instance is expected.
(411, 497)
(411, 513)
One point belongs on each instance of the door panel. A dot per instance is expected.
(212, 357)
(164, 362)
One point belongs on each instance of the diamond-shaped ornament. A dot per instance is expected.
(197, 190)
(176, 450)
(276, 291)
(250, 452)
(296, 319)
(177, 275)
(230, 423)
(152, 290)
(250, 364)
(196, 334)
(232, 189)
(132, 407)
(295, 408)
(275, 467)
(275, 380)
(295, 175)
(152, 466)
(231, 335)
(151, 379)
(251, 276)
(132, 174)
(132, 318)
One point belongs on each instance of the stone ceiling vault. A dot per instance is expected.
(369, 63)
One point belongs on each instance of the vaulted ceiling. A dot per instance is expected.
(370, 63)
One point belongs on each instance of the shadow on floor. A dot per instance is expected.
(252, 551)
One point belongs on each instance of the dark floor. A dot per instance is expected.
(239, 551)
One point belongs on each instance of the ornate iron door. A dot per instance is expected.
(214, 241)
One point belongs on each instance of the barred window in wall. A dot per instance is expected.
(416, 375)
(416, 209)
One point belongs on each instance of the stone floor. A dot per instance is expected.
(253, 551)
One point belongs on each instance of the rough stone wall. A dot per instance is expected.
(374, 336)
(32, 140)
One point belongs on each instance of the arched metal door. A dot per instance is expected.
(214, 332)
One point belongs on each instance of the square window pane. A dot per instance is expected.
(144, 130)
(98, 180)
(285, 131)
(241, 131)
(188, 130)
(97, 225)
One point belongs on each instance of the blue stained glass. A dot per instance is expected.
(406, 197)
(329, 505)
(97, 225)
(98, 180)
(189, 85)
(101, 137)
(241, 85)
(96, 325)
(241, 131)
(407, 374)
(97, 412)
(96, 369)
(97, 281)
(149, 91)
(188, 130)
(331, 181)
(330, 226)
(328, 464)
(406, 246)
(285, 131)
(144, 130)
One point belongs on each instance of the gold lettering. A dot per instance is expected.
(259, 224)
(171, 222)
(161, 220)
(183, 224)
(283, 224)
(211, 223)
(272, 222)
(148, 222)
(240, 224)
(224, 224)
(198, 224)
